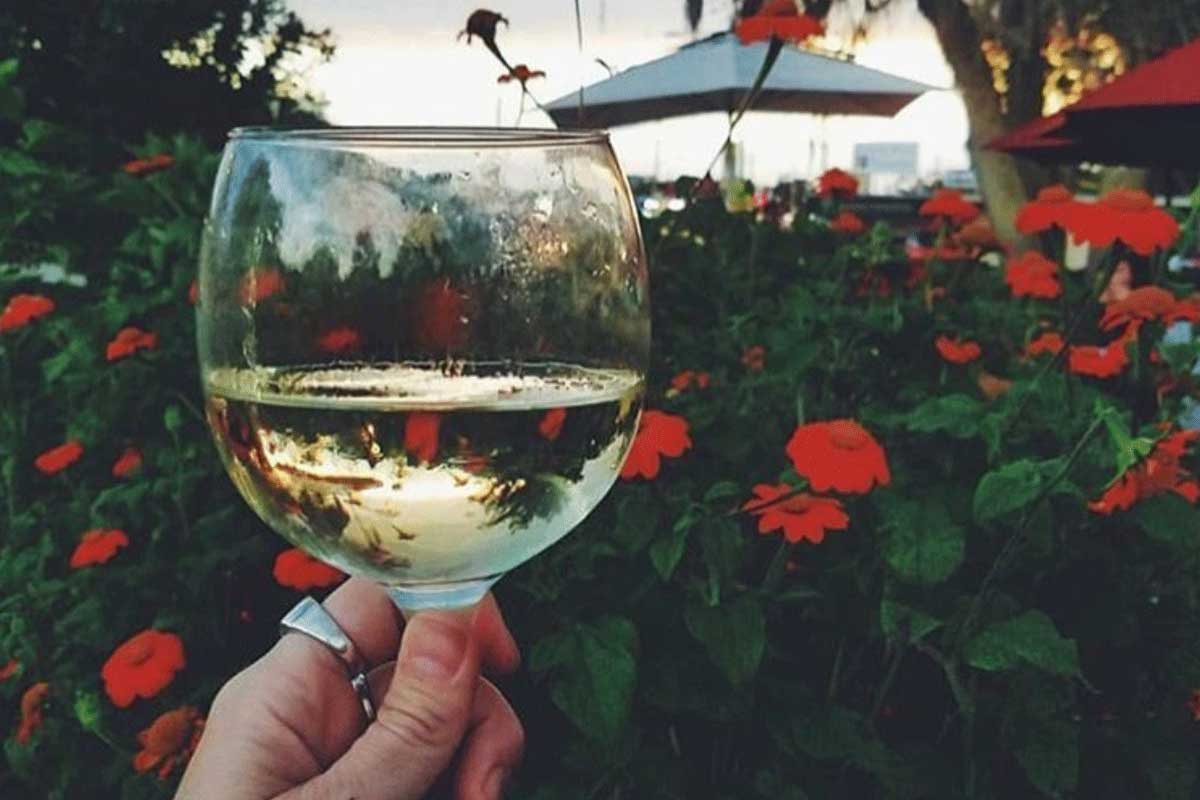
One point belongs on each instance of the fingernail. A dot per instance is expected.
(433, 646)
(493, 787)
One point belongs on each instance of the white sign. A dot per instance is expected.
(894, 158)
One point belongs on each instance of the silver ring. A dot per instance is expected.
(311, 619)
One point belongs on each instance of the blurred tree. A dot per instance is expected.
(1106, 38)
(120, 68)
(1010, 56)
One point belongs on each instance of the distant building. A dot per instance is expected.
(883, 167)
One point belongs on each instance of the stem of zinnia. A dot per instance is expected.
(1069, 336)
(773, 50)
(778, 566)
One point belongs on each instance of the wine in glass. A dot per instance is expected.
(422, 350)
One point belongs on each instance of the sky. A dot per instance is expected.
(398, 63)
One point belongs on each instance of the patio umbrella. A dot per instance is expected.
(1148, 117)
(714, 74)
(1164, 91)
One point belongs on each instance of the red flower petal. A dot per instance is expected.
(659, 434)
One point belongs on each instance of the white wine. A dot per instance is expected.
(423, 473)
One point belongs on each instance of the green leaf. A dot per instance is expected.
(1030, 638)
(724, 546)
(1169, 519)
(1009, 488)
(1127, 450)
(173, 419)
(637, 521)
(906, 624)
(957, 415)
(723, 490)
(733, 633)
(667, 549)
(923, 544)
(595, 670)
(1049, 754)
(87, 710)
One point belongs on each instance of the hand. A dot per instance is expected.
(291, 727)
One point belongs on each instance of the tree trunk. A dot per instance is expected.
(998, 174)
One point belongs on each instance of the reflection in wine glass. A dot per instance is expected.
(423, 350)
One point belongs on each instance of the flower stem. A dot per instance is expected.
(773, 50)
(1010, 548)
(1068, 339)
(778, 566)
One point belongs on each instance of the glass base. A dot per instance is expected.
(459, 594)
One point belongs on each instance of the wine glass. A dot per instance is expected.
(423, 350)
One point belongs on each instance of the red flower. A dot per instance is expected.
(801, 516)
(957, 351)
(193, 292)
(31, 711)
(551, 423)
(839, 455)
(439, 316)
(97, 546)
(261, 283)
(57, 459)
(683, 380)
(754, 358)
(1128, 215)
(1048, 342)
(1098, 362)
(296, 569)
(128, 341)
(918, 255)
(1186, 310)
(1054, 206)
(1120, 496)
(659, 434)
(778, 19)
(1158, 473)
(141, 167)
(23, 309)
(1033, 275)
(421, 431)
(169, 741)
(142, 667)
(992, 386)
(128, 463)
(847, 223)
(950, 205)
(837, 183)
(340, 340)
(9, 669)
(978, 233)
(688, 378)
(521, 74)
(1145, 303)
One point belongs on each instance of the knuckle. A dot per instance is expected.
(418, 721)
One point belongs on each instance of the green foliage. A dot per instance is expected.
(120, 69)
(976, 632)
(1030, 638)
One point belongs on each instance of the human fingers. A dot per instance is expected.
(493, 747)
(421, 720)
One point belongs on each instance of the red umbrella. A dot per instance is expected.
(1148, 117)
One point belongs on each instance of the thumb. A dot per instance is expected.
(421, 720)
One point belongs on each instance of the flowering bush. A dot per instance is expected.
(895, 525)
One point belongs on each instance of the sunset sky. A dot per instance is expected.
(398, 63)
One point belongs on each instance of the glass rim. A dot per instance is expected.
(434, 137)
